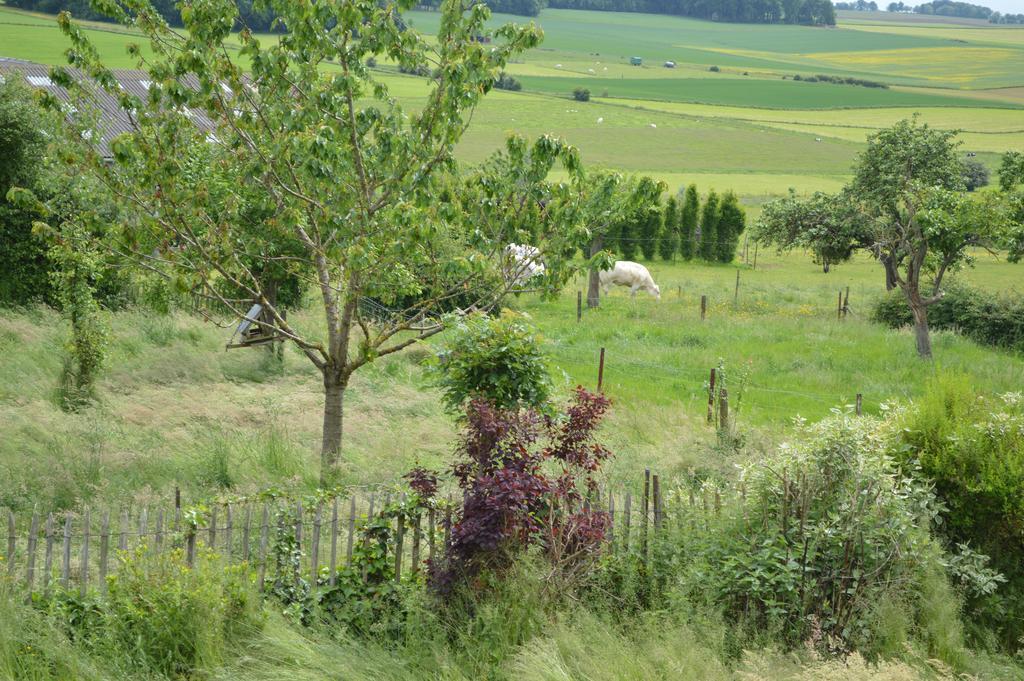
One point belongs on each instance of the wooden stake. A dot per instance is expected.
(333, 560)
(314, 551)
(755, 256)
(261, 557)
(212, 540)
(30, 570)
(626, 513)
(736, 296)
(104, 549)
(723, 409)
(351, 529)
(656, 490)
(65, 572)
(11, 539)
(247, 533)
(48, 556)
(846, 303)
(399, 537)
(84, 567)
(703, 307)
(579, 306)
(600, 372)
(711, 397)
(860, 404)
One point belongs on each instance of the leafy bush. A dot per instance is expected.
(989, 318)
(160, 615)
(714, 69)
(823, 531)
(581, 94)
(976, 175)
(507, 82)
(495, 358)
(512, 500)
(973, 448)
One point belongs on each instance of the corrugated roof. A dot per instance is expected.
(112, 119)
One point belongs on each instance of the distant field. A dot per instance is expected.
(757, 134)
(757, 93)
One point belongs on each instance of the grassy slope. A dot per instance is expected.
(177, 409)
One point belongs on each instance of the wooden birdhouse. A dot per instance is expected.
(256, 328)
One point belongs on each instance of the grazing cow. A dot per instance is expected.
(631, 274)
(523, 264)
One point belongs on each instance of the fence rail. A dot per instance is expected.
(81, 550)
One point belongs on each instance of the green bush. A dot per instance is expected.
(161, 616)
(581, 94)
(973, 449)
(988, 318)
(498, 358)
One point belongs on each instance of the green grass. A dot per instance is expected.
(753, 92)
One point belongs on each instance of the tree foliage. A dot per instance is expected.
(689, 217)
(732, 220)
(668, 244)
(709, 216)
(341, 181)
(651, 229)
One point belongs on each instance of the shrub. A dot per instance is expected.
(495, 358)
(581, 94)
(524, 478)
(976, 174)
(714, 69)
(973, 448)
(507, 82)
(828, 527)
(988, 318)
(161, 616)
(371, 62)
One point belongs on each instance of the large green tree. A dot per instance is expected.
(335, 163)
(732, 220)
(650, 230)
(689, 218)
(908, 207)
(709, 227)
(669, 242)
(24, 276)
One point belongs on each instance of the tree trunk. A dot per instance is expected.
(924, 341)
(594, 285)
(330, 450)
(890, 273)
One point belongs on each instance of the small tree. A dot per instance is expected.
(831, 227)
(709, 227)
(651, 228)
(629, 235)
(581, 94)
(339, 167)
(975, 175)
(731, 223)
(669, 242)
(689, 217)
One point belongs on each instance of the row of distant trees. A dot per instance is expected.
(684, 227)
(744, 11)
(248, 14)
(859, 6)
(944, 8)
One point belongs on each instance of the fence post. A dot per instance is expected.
(84, 586)
(736, 295)
(261, 558)
(611, 519)
(860, 404)
(212, 534)
(351, 529)
(104, 549)
(579, 306)
(314, 551)
(333, 560)
(703, 307)
(48, 556)
(65, 573)
(846, 303)
(723, 409)
(298, 542)
(399, 537)
(626, 511)
(30, 570)
(655, 482)
(600, 372)
(755, 256)
(247, 533)
(228, 532)
(159, 536)
(416, 544)
(711, 397)
(839, 306)
(646, 509)
(11, 538)
(431, 529)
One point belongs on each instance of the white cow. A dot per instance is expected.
(631, 274)
(524, 263)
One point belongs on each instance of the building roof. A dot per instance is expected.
(112, 119)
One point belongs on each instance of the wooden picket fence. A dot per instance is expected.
(80, 550)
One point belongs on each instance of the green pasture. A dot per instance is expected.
(751, 92)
